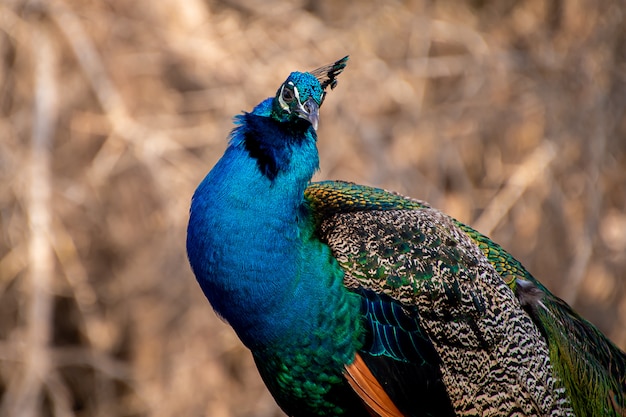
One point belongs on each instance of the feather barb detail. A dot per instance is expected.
(327, 75)
(369, 390)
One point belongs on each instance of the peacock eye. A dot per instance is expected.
(288, 95)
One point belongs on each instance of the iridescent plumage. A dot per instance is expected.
(357, 301)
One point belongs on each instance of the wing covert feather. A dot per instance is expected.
(493, 357)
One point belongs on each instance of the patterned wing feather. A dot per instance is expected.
(592, 368)
(492, 357)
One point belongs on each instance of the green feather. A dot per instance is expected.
(592, 368)
(588, 367)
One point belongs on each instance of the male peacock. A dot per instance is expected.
(356, 301)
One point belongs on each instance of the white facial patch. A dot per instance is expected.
(281, 101)
(296, 93)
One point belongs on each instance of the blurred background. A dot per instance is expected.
(509, 115)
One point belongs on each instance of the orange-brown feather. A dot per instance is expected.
(369, 390)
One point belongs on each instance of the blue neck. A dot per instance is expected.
(250, 239)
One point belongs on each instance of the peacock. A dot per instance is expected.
(356, 301)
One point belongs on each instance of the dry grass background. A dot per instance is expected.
(509, 115)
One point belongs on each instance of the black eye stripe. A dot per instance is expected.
(288, 94)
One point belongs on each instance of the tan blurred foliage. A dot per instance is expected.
(509, 115)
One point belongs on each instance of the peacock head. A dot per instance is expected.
(302, 94)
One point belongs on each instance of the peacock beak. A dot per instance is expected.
(310, 111)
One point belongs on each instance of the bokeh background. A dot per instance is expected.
(507, 114)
